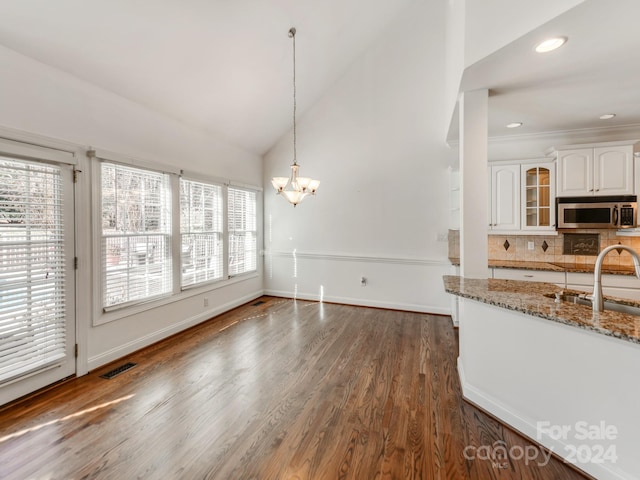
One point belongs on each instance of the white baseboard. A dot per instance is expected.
(145, 341)
(361, 302)
(527, 426)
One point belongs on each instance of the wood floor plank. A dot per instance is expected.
(283, 390)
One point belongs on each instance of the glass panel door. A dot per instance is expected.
(538, 197)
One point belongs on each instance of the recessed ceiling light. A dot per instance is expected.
(551, 44)
(607, 116)
(514, 125)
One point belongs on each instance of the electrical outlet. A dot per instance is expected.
(530, 245)
(206, 302)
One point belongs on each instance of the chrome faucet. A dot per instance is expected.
(598, 304)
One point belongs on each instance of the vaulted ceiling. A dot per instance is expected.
(221, 65)
(226, 65)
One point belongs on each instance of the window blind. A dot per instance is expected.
(136, 234)
(201, 217)
(242, 230)
(32, 268)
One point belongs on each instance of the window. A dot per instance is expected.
(160, 233)
(201, 232)
(32, 268)
(136, 234)
(242, 231)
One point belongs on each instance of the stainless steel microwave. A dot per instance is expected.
(597, 212)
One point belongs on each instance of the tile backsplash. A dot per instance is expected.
(549, 248)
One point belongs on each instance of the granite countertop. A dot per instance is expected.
(524, 265)
(529, 297)
(588, 268)
(555, 266)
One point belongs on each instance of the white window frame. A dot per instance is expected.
(33, 148)
(165, 236)
(100, 316)
(223, 199)
(228, 231)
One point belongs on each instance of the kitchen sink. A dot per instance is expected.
(585, 299)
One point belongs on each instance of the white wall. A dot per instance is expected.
(40, 99)
(376, 141)
(454, 63)
(44, 101)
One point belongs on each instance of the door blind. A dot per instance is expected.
(32, 268)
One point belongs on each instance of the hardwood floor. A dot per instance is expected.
(284, 390)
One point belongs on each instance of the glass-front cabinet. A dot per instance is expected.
(538, 196)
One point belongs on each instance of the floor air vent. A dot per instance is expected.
(118, 370)
(259, 302)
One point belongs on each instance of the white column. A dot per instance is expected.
(473, 183)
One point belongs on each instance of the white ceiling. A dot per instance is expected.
(596, 72)
(221, 65)
(225, 65)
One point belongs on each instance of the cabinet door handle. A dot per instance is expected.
(528, 276)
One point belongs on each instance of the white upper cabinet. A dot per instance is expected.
(575, 172)
(595, 171)
(613, 170)
(504, 208)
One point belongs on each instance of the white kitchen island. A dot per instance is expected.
(562, 375)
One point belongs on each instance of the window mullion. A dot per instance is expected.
(176, 237)
(225, 232)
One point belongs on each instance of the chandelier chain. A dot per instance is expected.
(294, 98)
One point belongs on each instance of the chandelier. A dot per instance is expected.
(294, 188)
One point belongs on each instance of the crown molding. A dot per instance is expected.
(586, 134)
